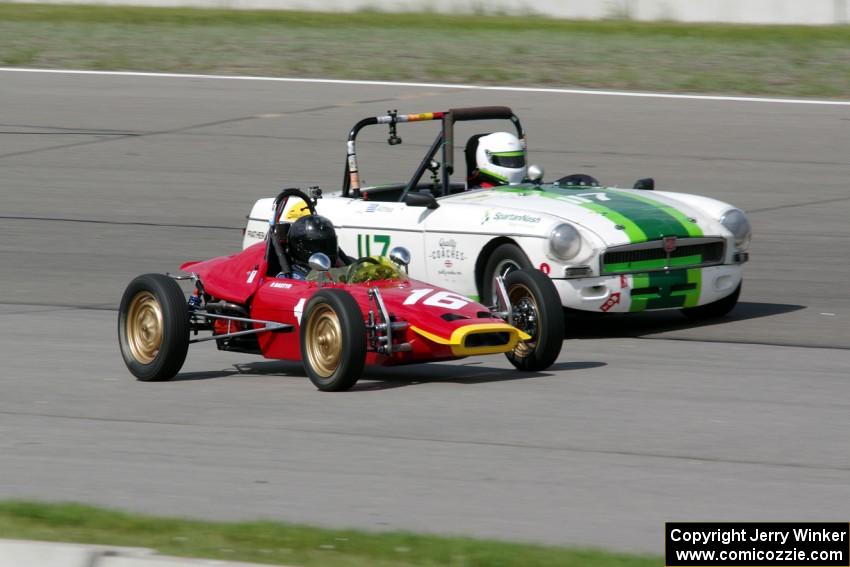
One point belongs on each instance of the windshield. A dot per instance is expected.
(366, 269)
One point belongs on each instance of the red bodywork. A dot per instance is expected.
(440, 321)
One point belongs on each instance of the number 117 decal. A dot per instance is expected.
(366, 243)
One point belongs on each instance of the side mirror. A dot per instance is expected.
(647, 184)
(535, 174)
(319, 262)
(417, 199)
(400, 255)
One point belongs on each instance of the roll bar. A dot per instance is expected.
(481, 113)
(445, 139)
(274, 233)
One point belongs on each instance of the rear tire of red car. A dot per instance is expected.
(538, 312)
(714, 310)
(153, 327)
(333, 340)
(505, 259)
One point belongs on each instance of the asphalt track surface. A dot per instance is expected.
(643, 419)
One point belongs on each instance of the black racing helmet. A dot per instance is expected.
(311, 234)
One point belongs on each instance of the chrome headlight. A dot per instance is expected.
(736, 222)
(564, 241)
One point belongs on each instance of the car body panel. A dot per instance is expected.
(441, 323)
(231, 278)
(448, 241)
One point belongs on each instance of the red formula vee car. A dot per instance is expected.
(336, 320)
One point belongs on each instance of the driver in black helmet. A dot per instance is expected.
(307, 236)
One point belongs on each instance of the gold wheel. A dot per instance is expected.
(144, 327)
(323, 335)
(526, 317)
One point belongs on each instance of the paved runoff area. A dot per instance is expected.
(643, 419)
(22, 553)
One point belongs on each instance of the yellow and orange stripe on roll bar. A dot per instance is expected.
(422, 116)
(386, 119)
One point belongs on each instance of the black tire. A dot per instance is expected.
(336, 364)
(714, 310)
(505, 259)
(153, 327)
(533, 294)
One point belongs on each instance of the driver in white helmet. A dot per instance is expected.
(495, 159)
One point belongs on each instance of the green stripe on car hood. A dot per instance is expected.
(642, 218)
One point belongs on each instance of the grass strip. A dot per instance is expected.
(733, 59)
(278, 543)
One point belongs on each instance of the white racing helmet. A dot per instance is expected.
(501, 156)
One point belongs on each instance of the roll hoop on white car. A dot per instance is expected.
(606, 249)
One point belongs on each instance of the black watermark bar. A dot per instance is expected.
(757, 544)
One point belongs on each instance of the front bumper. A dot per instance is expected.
(673, 289)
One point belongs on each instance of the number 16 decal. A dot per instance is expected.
(444, 299)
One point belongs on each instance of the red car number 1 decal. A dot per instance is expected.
(298, 310)
(444, 299)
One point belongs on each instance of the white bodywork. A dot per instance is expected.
(448, 244)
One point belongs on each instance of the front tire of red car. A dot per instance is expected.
(537, 311)
(153, 327)
(333, 340)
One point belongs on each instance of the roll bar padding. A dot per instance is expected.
(481, 113)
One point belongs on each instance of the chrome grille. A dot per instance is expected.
(709, 250)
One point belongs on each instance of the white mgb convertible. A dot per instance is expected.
(606, 249)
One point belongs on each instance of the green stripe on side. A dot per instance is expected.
(639, 303)
(692, 298)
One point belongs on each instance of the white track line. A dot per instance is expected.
(435, 86)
